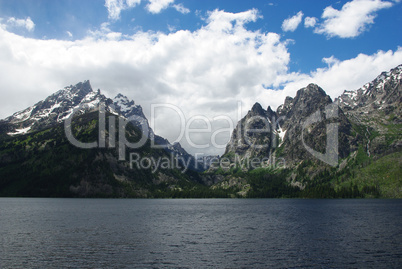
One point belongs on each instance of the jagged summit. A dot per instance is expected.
(313, 88)
(257, 109)
(270, 112)
(285, 107)
(54, 109)
(59, 106)
(81, 87)
(123, 101)
(312, 91)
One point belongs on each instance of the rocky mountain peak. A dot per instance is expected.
(81, 88)
(123, 99)
(243, 141)
(124, 104)
(127, 108)
(73, 92)
(311, 92)
(294, 112)
(313, 89)
(283, 109)
(258, 110)
(307, 101)
(271, 113)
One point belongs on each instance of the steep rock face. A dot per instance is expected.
(252, 136)
(293, 116)
(285, 108)
(296, 110)
(307, 101)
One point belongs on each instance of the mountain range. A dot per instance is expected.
(349, 147)
(311, 146)
(37, 159)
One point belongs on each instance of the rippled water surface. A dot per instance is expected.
(215, 233)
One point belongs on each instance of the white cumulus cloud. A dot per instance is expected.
(291, 24)
(27, 23)
(352, 19)
(180, 8)
(156, 6)
(330, 60)
(310, 22)
(223, 21)
(115, 7)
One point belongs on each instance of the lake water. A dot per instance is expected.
(200, 233)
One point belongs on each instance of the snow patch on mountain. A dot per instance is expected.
(20, 131)
(281, 133)
(21, 115)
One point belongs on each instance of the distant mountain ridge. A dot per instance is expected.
(82, 99)
(384, 90)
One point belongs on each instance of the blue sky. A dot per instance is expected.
(202, 56)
